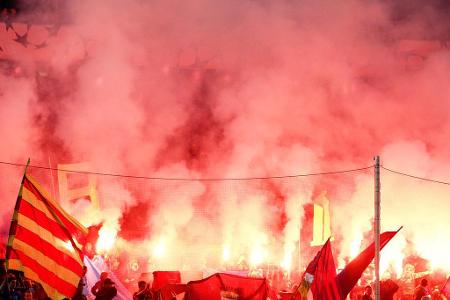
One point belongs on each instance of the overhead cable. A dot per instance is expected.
(190, 179)
(415, 177)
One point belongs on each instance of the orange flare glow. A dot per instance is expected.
(106, 239)
(226, 253)
(159, 249)
(257, 256)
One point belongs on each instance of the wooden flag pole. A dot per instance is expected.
(377, 227)
(12, 228)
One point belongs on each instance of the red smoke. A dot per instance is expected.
(234, 89)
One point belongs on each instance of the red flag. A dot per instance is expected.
(324, 286)
(42, 242)
(320, 275)
(348, 277)
(162, 278)
(227, 286)
(308, 277)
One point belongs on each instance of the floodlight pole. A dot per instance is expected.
(376, 227)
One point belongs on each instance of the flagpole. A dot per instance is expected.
(12, 228)
(52, 178)
(377, 227)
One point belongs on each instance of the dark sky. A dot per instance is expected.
(37, 11)
(433, 14)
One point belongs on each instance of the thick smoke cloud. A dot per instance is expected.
(209, 89)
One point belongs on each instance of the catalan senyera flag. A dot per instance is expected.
(43, 241)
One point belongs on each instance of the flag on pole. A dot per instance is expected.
(320, 276)
(324, 286)
(348, 277)
(308, 277)
(43, 241)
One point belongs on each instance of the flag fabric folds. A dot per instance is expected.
(308, 277)
(226, 286)
(43, 241)
(320, 277)
(304, 286)
(324, 285)
(348, 277)
(162, 278)
(94, 269)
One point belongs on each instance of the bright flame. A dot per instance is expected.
(391, 258)
(289, 249)
(257, 256)
(439, 262)
(106, 239)
(226, 253)
(436, 252)
(287, 262)
(159, 248)
(392, 267)
(355, 247)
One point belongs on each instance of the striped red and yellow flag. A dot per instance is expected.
(43, 241)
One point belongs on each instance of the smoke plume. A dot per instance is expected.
(229, 89)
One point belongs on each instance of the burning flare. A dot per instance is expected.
(159, 249)
(106, 239)
(257, 256)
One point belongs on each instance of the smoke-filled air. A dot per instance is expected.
(234, 89)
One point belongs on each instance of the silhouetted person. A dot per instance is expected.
(4, 284)
(408, 280)
(143, 293)
(437, 294)
(107, 291)
(39, 293)
(98, 285)
(387, 289)
(421, 290)
(28, 293)
(15, 291)
(367, 293)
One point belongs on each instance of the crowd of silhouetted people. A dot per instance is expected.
(14, 286)
(389, 290)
